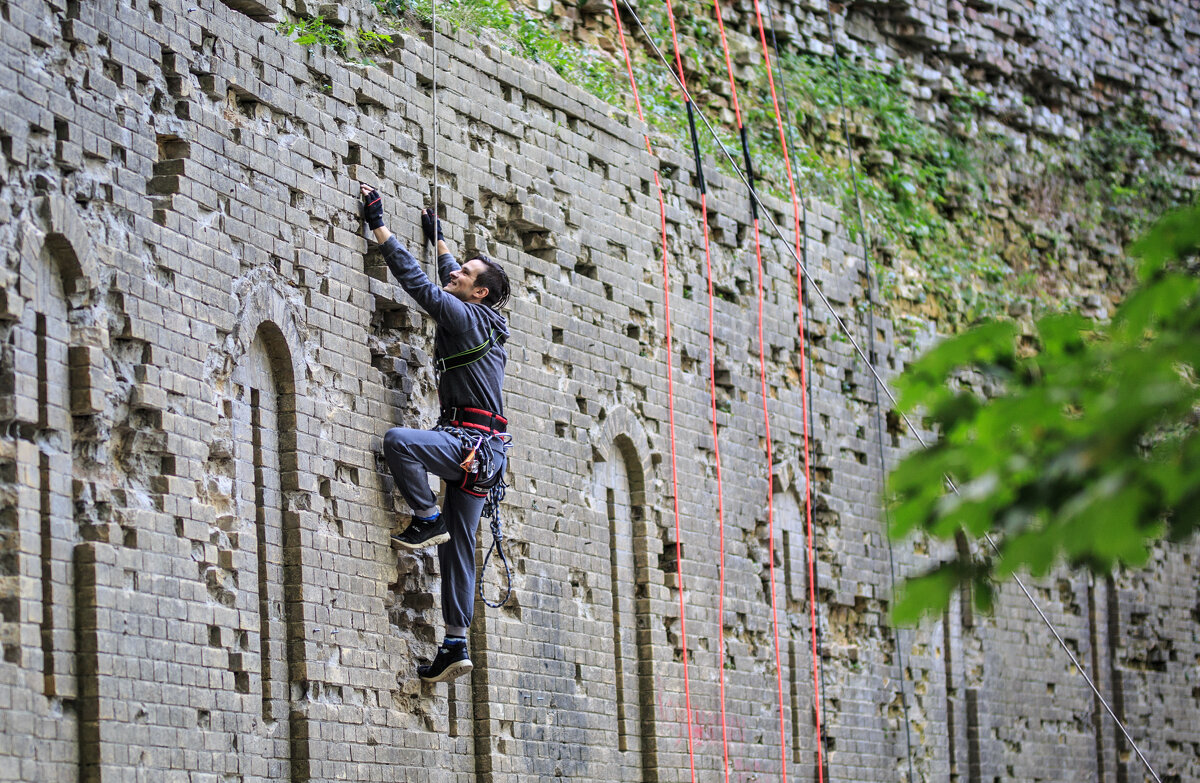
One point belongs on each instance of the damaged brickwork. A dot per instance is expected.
(199, 357)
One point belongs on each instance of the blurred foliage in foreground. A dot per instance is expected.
(1087, 450)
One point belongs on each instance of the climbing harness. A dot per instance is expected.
(662, 212)
(471, 355)
(486, 449)
(475, 429)
(474, 418)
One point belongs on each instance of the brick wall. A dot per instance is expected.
(201, 354)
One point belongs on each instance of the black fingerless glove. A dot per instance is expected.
(373, 209)
(431, 226)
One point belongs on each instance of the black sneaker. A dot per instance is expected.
(452, 661)
(421, 533)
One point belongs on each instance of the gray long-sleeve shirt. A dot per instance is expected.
(461, 326)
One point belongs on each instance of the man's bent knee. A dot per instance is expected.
(395, 441)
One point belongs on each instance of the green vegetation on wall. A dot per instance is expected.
(965, 219)
(357, 45)
(520, 32)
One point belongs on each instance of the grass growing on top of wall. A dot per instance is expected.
(520, 32)
(357, 45)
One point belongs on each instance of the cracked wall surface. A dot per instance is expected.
(199, 355)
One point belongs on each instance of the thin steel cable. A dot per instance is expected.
(1079, 667)
(879, 418)
(662, 211)
(888, 393)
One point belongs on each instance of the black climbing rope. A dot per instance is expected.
(491, 509)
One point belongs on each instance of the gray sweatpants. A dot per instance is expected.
(412, 455)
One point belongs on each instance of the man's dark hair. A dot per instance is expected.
(495, 280)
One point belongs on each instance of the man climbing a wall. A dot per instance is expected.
(467, 448)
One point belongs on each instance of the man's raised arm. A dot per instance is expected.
(445, 308)
(433, 235)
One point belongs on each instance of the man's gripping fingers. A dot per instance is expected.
(372, 207)
(431, 226)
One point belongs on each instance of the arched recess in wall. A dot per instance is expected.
(620, 460)
(265, 412)
(796, 648)
(43, 381)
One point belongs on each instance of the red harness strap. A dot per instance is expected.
(484, 422)
(474, 418)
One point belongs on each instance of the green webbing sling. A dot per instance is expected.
(469, 356)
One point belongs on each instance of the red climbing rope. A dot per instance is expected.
(808, 532)
(762, 366)
(737, 111)
(720, 509)
(762, 374)
(662, 210)
(712, 386)
(799, 238)
(712, 392)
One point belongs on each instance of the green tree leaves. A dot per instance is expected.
(1086, 449)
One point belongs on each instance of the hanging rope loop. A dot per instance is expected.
(491, 510)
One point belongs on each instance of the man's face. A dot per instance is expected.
(462, 282)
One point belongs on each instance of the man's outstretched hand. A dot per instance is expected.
(372, 207)
(431, 226)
